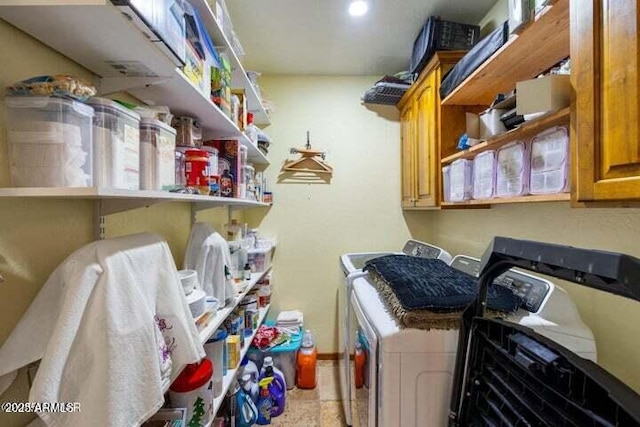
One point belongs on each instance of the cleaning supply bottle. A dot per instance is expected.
(249, 367)
(247, 411)
(360, 360)
(277, 388)
(250, 387)
(306, 366)
(265, 402)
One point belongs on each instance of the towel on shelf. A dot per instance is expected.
(208, 254)
(429, 294)
(113, 329)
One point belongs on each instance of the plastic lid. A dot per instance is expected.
(156, 124)
(219, 335)
(193, 377)
(200, 153)
(268, 361)
(104, 104)
(45, 101)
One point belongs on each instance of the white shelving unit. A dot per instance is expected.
(214, 323)
(240, 78)
(232, 373)
(98, 36)
(116, 200)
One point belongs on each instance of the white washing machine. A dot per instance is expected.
(408, 372)
(352, 265)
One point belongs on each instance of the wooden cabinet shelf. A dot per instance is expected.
(562, 197)
(538, 47)
(523, 132)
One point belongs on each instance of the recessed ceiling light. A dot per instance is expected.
(358, 8)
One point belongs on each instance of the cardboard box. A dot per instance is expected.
(546, 94)
(490, 124)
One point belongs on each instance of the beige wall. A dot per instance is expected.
(36, 236)
(316, 223)
(613, 319)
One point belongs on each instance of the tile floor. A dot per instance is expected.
(320, 407)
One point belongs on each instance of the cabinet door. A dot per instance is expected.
(408, 136)
(605, 55)
(426, 146)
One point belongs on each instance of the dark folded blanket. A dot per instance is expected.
(427, 293)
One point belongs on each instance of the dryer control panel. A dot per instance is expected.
(425, 250)
(533, 290)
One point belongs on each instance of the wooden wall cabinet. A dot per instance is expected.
(421, 122)
(604, 55)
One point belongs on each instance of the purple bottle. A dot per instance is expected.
(277, 388)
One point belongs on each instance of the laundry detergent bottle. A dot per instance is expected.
(265, 402)
(360, 359)
(306, 363)
(247, 410)
(277, 388)
(250, 387)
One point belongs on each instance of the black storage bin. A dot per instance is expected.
(508, 375)
(474, 58)
(437, 34)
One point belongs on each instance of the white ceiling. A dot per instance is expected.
(320, 37)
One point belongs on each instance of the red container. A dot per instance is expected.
(196, 168)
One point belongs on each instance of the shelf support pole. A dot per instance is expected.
(99, 219)
(194, 213)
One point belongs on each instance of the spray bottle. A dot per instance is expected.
(264, 402)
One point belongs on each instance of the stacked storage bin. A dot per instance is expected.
(484, 175)
(550, 161)
(50, 142)
(461, 180)
(116, 145)
(512, 177)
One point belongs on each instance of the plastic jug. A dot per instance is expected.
(247, 410)
(250, 387)
(306, 366)
(249, 367)
(265, 402)
(360, 361)
(277, 388)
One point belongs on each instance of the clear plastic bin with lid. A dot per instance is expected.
(116, 145)
(50, 142)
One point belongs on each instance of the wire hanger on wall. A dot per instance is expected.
(311, 160)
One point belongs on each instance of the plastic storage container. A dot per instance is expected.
(259, 259)
(484, 175)
(512, 175)
(461, 180)
(193, 390)
(50, 142)
(284, 357)
(446, 184)
(215, 350)
(157, 155)
(116, 145)
(550, 161)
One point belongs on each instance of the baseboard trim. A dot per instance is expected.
(328, 356)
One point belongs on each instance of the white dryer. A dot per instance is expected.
(351, 265)
(408, 372)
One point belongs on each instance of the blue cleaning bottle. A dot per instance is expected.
(265, 403)
(247, 410)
